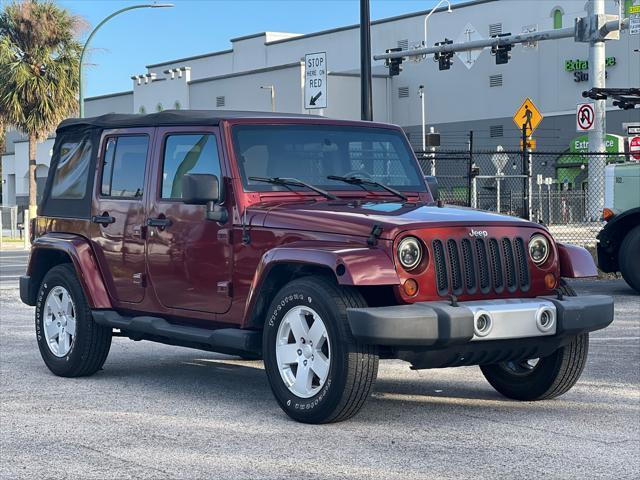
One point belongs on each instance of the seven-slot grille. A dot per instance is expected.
(480, 265)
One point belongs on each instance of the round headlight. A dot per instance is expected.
(410, 252)
(538, 249)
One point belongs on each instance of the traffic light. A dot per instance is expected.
(394, 64)
(444, 58)
(501, 52)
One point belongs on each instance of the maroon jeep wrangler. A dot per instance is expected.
(315, 244)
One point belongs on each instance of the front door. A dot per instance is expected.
(189, 263)
(118, 212)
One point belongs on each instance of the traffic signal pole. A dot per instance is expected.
(597, 136)
(366, 92)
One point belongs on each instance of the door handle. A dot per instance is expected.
(158, 222)
(104, 219)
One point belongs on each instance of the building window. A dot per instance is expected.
(557, 18)
(496, 131)
(159, 107)
(403, 92)
(177, 105)
(220, 101)
(142, 110)
(495, 29)
(495, 80)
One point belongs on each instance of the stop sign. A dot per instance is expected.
(634, 148)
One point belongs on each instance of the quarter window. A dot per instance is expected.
(72, 170)
(192, 153)
(123, 166)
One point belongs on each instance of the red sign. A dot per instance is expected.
(634, 148)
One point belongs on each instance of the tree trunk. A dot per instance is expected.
(33, 186)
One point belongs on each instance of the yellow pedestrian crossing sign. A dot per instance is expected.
(528, 116)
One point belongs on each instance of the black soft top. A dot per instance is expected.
(169, 117)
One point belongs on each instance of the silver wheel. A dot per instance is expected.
(303, 351)
(59, 321)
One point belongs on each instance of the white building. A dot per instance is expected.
(475, 94)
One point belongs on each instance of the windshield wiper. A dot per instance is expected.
(363, 181)
(294, 182)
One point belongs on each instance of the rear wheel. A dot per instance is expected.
(541, 378)
(317, 371)
(629, 260)
(70, 342)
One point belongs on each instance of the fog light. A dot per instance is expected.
(550, 281)
(545, 319)
(410, 287)
(482, 324)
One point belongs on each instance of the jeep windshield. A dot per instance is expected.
(312, 153)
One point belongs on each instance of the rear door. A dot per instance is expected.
(119, 212)
(188, 257)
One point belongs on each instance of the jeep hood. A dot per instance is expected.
(358, 218)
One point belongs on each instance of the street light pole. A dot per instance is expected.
(93, 32)
(272, 89)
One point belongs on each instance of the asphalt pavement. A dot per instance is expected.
(157, 411)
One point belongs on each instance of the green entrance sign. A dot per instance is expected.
(572, 168)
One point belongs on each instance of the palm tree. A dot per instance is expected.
(38, 72)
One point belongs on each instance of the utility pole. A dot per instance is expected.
(366, 94)
(597, 136)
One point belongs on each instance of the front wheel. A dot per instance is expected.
(71, 343)
(629, 260)
(316, 370)
(541, 378)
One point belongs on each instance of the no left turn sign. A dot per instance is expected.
(585, 117)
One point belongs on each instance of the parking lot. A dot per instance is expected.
(157, 411)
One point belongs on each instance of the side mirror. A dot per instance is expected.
(204, 189)
(200, 188)
(432, 183)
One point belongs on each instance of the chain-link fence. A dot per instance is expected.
(546, 187)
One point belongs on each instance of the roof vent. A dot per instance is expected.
(496, 131)
(220, 101)
(495, 29)
(403, 92)
(495, 80)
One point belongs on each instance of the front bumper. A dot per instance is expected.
(439, 324)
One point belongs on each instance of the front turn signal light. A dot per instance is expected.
(607, 214)
(410, 287)
(550, 281)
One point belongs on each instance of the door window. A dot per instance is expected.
(123, 167)
(191, 153)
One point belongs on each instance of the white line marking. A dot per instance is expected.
(602, 339)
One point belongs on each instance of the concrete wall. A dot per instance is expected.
(115, 103)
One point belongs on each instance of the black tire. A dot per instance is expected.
(90, 346)
(353, 366)
(551, 377)
(629, 260)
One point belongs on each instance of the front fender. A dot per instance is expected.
(79, 251)
(357, 266)
(576, 262)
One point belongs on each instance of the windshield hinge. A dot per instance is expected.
(376, 231)
(246, 238)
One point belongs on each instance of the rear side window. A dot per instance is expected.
(72, 171)
(123, 167)
(193, 153)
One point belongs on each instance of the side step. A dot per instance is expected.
(233, 341)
